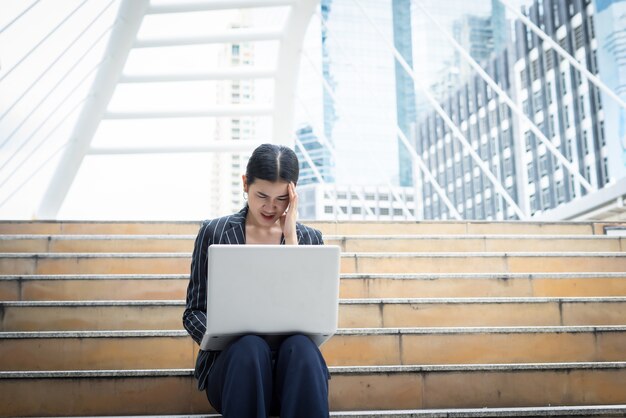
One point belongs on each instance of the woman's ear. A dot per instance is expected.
(244, 179)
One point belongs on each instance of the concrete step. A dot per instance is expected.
(327, 227)
(353, 313)
(546, 411)
(113, 350)
(450, 285)
(173, 391)
(348, 243)
(464, 262)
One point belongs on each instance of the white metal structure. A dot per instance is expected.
(124, 37)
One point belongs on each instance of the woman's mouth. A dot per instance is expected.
(267, 217)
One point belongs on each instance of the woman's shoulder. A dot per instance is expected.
(210, 225)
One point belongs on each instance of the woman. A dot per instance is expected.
(247, 379)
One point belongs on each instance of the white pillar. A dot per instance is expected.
(287, 70)
(123, 35)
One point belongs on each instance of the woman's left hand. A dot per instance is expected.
(288, 219)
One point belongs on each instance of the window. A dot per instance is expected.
(602, 137)
(560, 192)
(552, 132)
(549, 92)
(356, 210)
(548, 59)
(555, 14)
(545, 196)
(534, 69)
(397, 212)
(537, 100)
(605, 169)
(569, 149)
(563, 83)
(566, 115)
(383, 211)
(581, 104)
(328, 209)
(579, 41)
(584, 143)
(543, 164)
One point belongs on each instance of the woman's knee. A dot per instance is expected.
(249, 346)
(298, 342)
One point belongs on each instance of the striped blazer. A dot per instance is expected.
(226, 230)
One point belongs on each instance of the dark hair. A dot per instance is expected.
(273, 163)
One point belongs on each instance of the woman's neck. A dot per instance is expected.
(260, 234)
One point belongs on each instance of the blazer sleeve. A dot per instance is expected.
(194, 317)
(310, 236)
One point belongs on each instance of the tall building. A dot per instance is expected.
(433, 54)
(361, 123)
(405, 88)
(566, 108)
(487, 125)
(476, 35)
(225, 184)
(610, 28)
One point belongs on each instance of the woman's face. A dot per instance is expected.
(267, 200)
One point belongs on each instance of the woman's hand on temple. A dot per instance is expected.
(288, 219)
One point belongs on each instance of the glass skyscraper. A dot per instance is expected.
(610, 31)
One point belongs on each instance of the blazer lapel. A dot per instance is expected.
(235, 231)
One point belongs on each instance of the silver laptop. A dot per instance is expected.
(272, 291)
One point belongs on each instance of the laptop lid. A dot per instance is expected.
(272, 291)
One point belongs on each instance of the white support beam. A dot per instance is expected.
(209, 147)
(123, 35)
(224, 111)
(230, 36)
(288, 66)
(186, 7)
(231, 74)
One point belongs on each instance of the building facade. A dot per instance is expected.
(561, 102)
(350, 202)
(564, 106)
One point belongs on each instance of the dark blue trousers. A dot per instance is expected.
(245, 382)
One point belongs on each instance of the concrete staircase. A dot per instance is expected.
(438, 319)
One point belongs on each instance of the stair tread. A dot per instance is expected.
(333, 370)
(368, 301)
(340, 332)
(586, 410)
(95, 237)
(354, 276)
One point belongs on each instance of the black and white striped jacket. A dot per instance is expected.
(226, 230)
